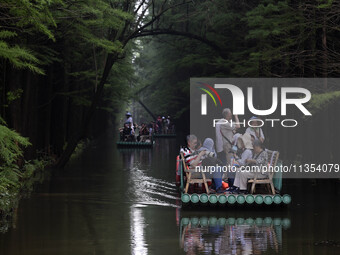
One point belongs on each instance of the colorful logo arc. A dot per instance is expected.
(209, 93)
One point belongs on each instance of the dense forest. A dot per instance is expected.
(70, 68)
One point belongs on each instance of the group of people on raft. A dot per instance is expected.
(163, 125)
(145, 130)
(232, 149)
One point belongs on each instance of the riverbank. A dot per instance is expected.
(23, 183)
(33, 173)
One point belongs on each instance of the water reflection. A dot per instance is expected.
(143, 187)
(148, 190)
(203, 235)
(140, 157)
(137, 229)
(123, 202)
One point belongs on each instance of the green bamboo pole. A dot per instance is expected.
(213, 199)
(286, 199)
(185, 198)
(231, 221)
(258, 221)
(277, 222)
(182, 181)
(285, 223)
(222, 221)
(258, 199)
(212, 221)
(250, 199)
(240, 199)
(277, 199)
(268, 200)
(185, 221)
(204, 198)
(249, 221)
(222, 199)
(204, 221)
(240, 221)
(195, 221)
(267, 221)
(194, 198)
(231, 199)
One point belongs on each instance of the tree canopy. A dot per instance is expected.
(69, 66)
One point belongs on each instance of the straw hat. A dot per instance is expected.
(246, 138)
(236, 137)
(254, 118)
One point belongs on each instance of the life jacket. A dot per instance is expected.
(225, 185)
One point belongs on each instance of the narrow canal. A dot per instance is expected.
(124, 201)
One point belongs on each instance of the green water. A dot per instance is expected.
(111, 201)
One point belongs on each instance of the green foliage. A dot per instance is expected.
(31, 17)
(36, 14)
(263, 38)
(322, 100)
(13, 95)
(19, 57)
(15, 176)
(7, 34)
(10, 142)
(10, 152)
(11, 174)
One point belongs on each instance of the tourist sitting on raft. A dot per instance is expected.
(164, 125)
(210, 159)
(255, 129)
(204, 155)
(243, 152)
(258, 160)
(245, 149)
(144, 133)
(151, 127)
(191, 155)
(127, 133)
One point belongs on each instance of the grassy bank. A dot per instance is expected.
(17, 175)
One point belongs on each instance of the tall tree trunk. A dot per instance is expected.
(87, 122)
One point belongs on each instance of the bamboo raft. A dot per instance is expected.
(235, 199)
(229, 199)
(164, 135)
(135, 144)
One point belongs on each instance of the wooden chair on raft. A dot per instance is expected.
(192, 178)
(273, 157)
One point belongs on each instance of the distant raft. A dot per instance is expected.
(135, 144)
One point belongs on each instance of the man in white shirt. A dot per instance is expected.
(224, 135)
(129, 120)
(219, 143)
(224, 140)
